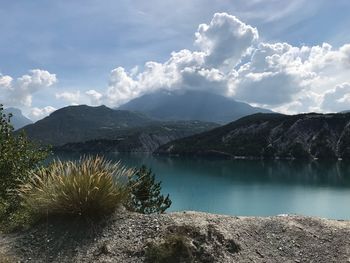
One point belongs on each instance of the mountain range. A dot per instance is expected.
(191, 105)
(303, 136)
(85, 128)
(18, 120)
(263, 135)
(143, 124)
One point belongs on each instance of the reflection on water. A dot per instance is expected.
(250, 187)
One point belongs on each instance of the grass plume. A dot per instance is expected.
(89, 187)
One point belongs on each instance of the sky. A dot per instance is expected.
(288, 56)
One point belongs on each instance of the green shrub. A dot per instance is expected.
(17, 157)
(145, 196)
(90, 187)
(174, 249)
(19, 219)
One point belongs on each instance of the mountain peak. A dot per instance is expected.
(191, 105)
(18, 120)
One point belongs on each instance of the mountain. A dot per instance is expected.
(140, 139)
(85, 128)
(81, 123)
(303, 136)
(18, 120)
(191, 105)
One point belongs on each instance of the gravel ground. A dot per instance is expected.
(217, 238)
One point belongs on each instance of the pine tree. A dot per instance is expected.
(146, 194)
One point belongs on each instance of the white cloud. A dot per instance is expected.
(282, 76)
(39, 113)
(232, 61)
(71, 97)
(94, 96)
(19, 92)
(121, 87)
(225, 40)
(337, 99)
(5, 82)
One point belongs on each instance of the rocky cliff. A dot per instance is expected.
(303, 136)
(144, 139)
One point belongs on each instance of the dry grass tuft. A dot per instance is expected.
(89, 187)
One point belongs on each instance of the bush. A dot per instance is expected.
(145, 196)
(90, 187)
(175, 248)
(19, 219)
(17, 157)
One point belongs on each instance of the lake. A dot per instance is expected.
(249, 187)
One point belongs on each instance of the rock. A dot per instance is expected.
(270, 136)
(211, 238)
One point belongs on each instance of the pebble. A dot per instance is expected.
(130, 237)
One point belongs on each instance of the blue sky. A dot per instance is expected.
(81, 42)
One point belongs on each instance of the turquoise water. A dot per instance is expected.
(250, 187)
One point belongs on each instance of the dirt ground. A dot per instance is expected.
(216, 238)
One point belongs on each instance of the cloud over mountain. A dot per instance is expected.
(228, 57)
(337, 99)
(19, 92)
(39, 113)
(232, 60)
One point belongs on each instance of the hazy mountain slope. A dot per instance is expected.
(84, 128)
(141, 139)
(272, 135)
(81, 123)
(18, 120)
(191, 105)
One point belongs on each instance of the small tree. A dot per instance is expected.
(17, 157)
(146, 195)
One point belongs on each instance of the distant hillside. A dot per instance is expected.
(18, 120)
(85, 128)
(191, 105)
(140, 139)
(324, 136)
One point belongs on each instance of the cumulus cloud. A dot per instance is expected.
(225, 40)
(222, 43)
(5, 82)
(71, 97)
(94, 96)
(230, 59)
(337, 99)
(19, 92)
(39, 113)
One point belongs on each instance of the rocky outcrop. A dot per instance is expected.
(144, 139)
(127, 237)
(134, 143)
(303, 136)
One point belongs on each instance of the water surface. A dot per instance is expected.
(250, 187)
